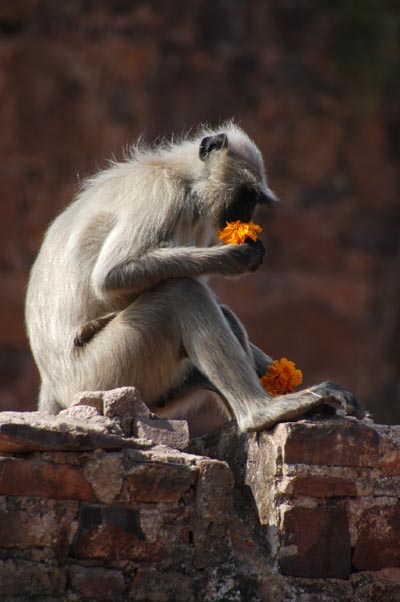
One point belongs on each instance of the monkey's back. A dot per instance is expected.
(127, 198)
(59, 296)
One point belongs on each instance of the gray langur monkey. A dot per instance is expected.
(118, 294)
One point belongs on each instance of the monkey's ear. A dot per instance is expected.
(212, 143)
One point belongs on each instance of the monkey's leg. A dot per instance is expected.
(216, 351)
(213, 347)
(193, 381)
(139, 347)
(260, 359)
(328, 392)
(47, 400)
(147, 344)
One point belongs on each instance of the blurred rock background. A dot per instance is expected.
(314, 82)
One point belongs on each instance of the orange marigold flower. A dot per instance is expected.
(236, 232)
(281, 377)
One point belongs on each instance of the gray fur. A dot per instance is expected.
(118, 294)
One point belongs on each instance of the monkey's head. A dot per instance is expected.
(232, 181)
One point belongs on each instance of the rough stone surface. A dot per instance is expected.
(378, 542)
(20, 431)
(321, 489)
(153, 481)
(98, 419)
(95, 583)
(24, 580)
(174, 433)
(121, 405)
(345, 443)
(315, 542)
(153, 523)
(22, 477)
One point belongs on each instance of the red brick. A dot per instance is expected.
(389, 449)
(333, 443)
(43, 479)
(152, 482)
(36, 523)
(113, 533)
(319, 543)
(213, 509)
(321, 486)
(214, 487)
(390, 464)
(378, 542)
(19, 529)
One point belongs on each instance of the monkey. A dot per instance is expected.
(119, 293)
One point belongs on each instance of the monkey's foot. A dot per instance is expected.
(340, 399)
(294, 405)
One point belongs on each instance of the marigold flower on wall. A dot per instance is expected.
(235, 233)
(281, 377)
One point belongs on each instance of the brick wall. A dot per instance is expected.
(89, 512)
(317, 87)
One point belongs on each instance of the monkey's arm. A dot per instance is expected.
(133, 276)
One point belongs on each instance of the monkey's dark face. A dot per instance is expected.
(243, 205)
(234, 165)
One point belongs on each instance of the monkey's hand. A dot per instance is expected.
(90, 329)
(246, 257)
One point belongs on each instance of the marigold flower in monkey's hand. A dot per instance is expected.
(235, 233)
(281, 377)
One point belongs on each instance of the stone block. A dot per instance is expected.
(30, 431)
(276, 588)
(331, 443)
(99, 584)
(213, 505)
(105, 475)
(123, 401)
(315, 542)
(34, 579)
(370, 586)
(321, 486)
(80, 412)
(92, 399)
(150, 584)
(22, 530)
(119, 405)
(172, 433)
(113, 533)
(389, 449)
(32, 522)
(378, 542)
(30, 477)
(157, 482)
